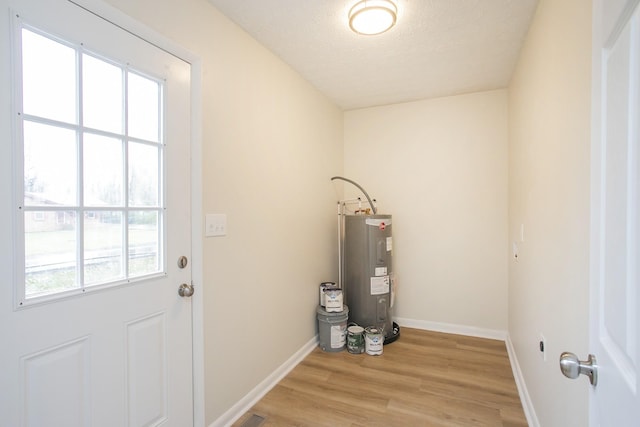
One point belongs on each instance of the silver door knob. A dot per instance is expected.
(571, 367)
(185, 290)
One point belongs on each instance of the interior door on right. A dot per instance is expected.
(615, 335)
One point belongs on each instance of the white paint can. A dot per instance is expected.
(323, 286)
(373, 341)
(333, 300)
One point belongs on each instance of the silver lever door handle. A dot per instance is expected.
(571, 367)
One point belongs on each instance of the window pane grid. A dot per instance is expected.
(108, 227)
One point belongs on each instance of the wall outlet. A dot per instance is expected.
(542, 347)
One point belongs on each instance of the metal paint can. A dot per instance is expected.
(355, 339)
(373, 341)
(332, 329)
(333, 300)
(323, 286)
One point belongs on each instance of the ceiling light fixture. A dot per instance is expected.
(371, 17)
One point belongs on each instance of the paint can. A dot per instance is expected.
(323, 286)
(332, 329)
(355, 339)
(373, 341)
(333, 300)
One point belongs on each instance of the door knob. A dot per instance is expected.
(571, 367)
(185, 290)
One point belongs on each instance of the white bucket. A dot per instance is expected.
(373, 341)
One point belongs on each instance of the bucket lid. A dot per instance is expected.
(355, 329)
(320, 310)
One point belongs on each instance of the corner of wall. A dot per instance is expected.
(525, 399)
(251, 398)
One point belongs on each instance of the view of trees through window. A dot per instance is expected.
(92, 158)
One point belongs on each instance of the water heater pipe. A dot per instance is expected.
(375, 210)
(340, 245)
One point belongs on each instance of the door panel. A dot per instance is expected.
(114, 356)
(615, 334)
(146, 370)
(64, 367)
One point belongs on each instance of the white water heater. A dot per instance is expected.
(368, 270)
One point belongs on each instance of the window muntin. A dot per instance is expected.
(91, 151)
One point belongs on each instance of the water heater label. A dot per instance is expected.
(378, 222)
(380, 285)
(381, 271)
(389, 244)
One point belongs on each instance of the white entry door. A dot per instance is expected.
(94, 221)
(615, 293)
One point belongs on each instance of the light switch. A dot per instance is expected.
(215, 225)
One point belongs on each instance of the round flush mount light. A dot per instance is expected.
(371, 17)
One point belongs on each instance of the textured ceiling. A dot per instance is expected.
(437, 48)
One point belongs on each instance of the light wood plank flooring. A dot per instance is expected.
(423, 379)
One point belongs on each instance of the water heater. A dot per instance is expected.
(367, 270)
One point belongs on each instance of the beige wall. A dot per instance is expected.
(271, 143)
(549, 133)
(439, 167)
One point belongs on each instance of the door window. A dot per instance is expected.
(90, 154)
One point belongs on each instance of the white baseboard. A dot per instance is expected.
(525, 399)
(251, 398)
(449, 328)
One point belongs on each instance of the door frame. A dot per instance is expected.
(594, 184)
(127, 23)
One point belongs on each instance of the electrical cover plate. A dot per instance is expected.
(215, 225)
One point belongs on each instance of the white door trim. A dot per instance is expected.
(127, 23)
(594, 185)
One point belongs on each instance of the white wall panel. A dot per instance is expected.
(549, 150)
(439, 166)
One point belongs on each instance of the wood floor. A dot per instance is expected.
(423, 379)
